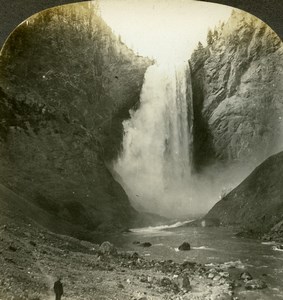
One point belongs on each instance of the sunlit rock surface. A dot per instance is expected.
(238, 107)
(237, 87)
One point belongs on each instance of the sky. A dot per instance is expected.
(162, 29)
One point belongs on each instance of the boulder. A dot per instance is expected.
(12, 248)
(135, 255)
(32, 243)
(255, 284)
(120, 286)
(107, 248)
(145, 244)
(165, 281)
(143, 278)
(211, 275)
(184, 247)
(224, 274)
(246, 276)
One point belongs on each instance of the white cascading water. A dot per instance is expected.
(154, 167)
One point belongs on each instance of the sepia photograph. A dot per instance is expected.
(141, 153)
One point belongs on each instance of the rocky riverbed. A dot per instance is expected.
(32, 258)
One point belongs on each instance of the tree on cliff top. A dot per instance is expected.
(209, 38)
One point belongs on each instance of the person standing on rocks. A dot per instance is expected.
(58, 289)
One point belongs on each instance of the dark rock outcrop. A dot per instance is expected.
(237, 89)
(276, 233)
(256, 204)
(145, 244)
(66, 85)
(184, 247)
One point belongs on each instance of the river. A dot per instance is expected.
(213, 246)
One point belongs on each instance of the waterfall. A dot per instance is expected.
(155, 165)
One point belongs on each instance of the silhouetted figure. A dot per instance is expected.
(58, 289)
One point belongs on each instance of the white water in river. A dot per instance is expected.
(155, 165)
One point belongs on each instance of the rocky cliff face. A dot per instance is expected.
(237, 87)
(66, 84)
(256, 204)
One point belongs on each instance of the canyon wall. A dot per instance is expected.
(238, 107)
(238, 88)
(66, 84)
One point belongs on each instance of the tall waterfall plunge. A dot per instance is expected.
(155, 167)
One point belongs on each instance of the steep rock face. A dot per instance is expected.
(66, 84)
(256, 204)
(238, 88)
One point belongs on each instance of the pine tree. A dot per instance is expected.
(200, 46)
(209, 38)
(215, 34)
